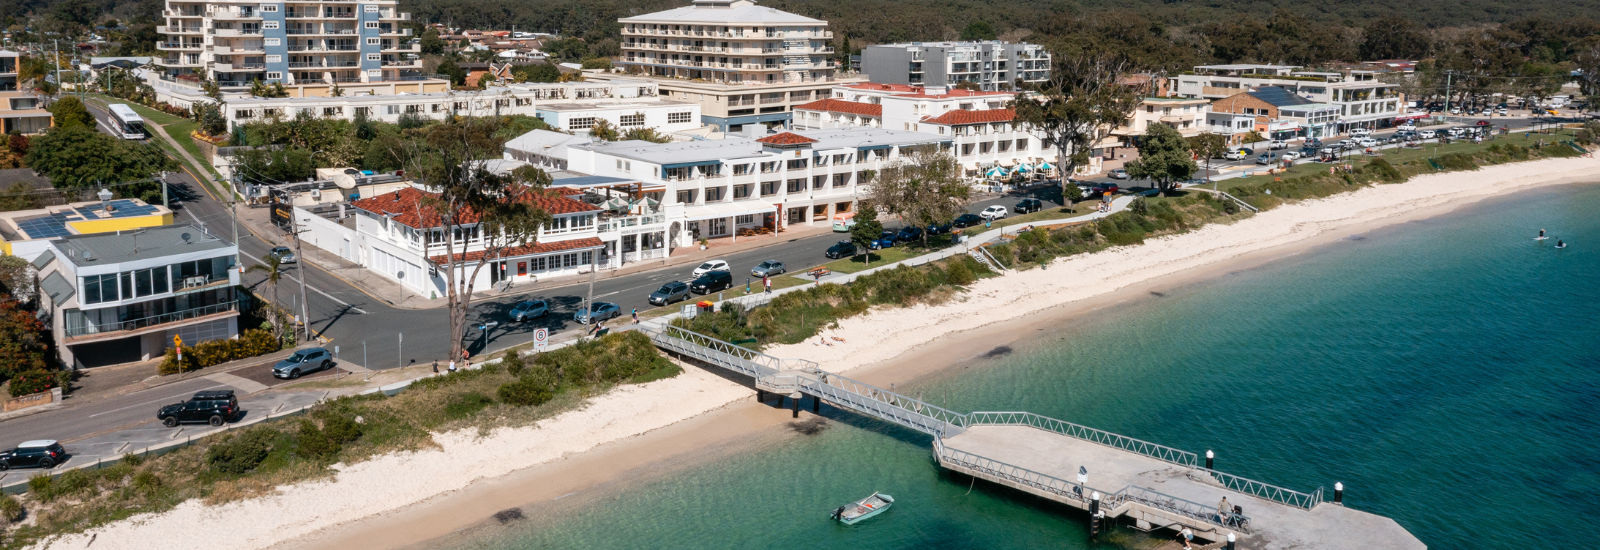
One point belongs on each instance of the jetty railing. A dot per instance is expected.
(1183, 507)
(1266, 491)
(900, 409)
(740, 359)
(1078, 431)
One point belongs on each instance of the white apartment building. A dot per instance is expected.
(990, 64)
(728, 41)
(983, 131)
(714, 188)
(1363, 102)
(1186, 115)
(121, 297)
(306, 45)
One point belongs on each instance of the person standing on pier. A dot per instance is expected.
(1083, 479)
(1223, 509)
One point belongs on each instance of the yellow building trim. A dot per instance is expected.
(87, 227)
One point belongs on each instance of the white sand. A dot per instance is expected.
(392, 482)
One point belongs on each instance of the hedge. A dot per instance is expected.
(251, 343)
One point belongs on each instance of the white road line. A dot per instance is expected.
(162, 400)
(312, 288)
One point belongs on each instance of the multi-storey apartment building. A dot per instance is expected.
(1186, 115)
(714, 188)
(8, 70)
(1362, 101)
(990, 64)
(307, 45)
(121, 297)
(1277, 113)
(728, 41)
(983, 131)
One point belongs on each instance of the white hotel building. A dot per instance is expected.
(728, 41)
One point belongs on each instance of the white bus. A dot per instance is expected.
(127, 122)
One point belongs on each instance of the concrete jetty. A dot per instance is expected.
(1151, 486)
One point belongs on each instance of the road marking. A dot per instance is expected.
(246, 385)
(162, 400)
(312, 288)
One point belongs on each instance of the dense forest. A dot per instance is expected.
(1171, 34)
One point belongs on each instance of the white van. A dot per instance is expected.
(1361, 132)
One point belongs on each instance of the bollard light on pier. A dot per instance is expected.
(1094, 502)
(1210, 457)
(1230, 541)
(1338, 492)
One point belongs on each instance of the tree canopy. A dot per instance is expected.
(78, 156)
(1164, 158)
(69, 112)
(922, 188)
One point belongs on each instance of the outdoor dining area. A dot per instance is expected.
(997, 177)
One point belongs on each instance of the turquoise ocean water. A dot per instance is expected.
(1446, 370)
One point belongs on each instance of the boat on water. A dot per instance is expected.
(854, 512)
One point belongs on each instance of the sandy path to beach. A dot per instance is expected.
(410, 497)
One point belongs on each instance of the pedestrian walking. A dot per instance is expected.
(463, 354)
(766, 283)
(436, 366)
(635, 316)
(1083, 479)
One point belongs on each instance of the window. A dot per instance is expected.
(269, 24)
(686, 197)
(370, 8)
(274, 59)
(273, 41)
(374, 57)
(269, 7)
(632, 120)
(372, 24)
(741, 191)
(243, 113)
(100, 288)
(1022, 144)
(841, 180)
(797, 164)
(863, 176)
(580, 123)
(391, 109)
(797, 185)
(374, 41)
(679, 118)
(625, 165)
(818, 182)
(274, 76)
(715, 193)
(769, 188)
(742, 169)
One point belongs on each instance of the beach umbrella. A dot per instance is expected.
(1024, 167)
(996, 172)
(1046, 166)
(616, 203)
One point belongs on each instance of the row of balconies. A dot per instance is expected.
(172, 46)
(718, 34)
(719, 49)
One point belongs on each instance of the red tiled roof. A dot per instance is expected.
(786, 138)
(407, 207)
(842, 106)
(922, 92)
(526, 250)
(972, 117)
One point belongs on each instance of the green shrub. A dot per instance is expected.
(146, 482)
(513, 362)
(42, 487)
(1381, 168)
(313, 443)
(959, 274)
(465, 404)
(238, 454)
(250, 343)
(10, 508)
(525, 392)
(31, 382)
(1139, 206)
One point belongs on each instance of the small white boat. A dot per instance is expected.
(862, 509)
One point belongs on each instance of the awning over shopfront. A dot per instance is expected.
(1414, 116)
(728, 210)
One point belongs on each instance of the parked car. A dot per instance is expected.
(709, 266)
(1100, 189)
(938, 229)
(305, 361)
(1361, 132)
(43, 453)
(1118, 174)
(1266, 158)
(1483, 123)
(1236, 154)
(841, 249)
(284, 255)
(1029, 205)
(908, 234)
(884, 240)
(769, 268)
(669, 293)
(966, 220)
(712, 282)
(1427, 134)
(601, 311)
(1278, 144)
(1290, 155)
(531, 309)
(213, 407)
(993, 212)
(1367, 142)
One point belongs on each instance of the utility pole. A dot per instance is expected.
(1447, 82)
(588, 300)
(305, 308)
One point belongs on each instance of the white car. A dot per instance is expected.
(1367, 142)
(1290, 155)
(709, 266)
(1237, 154)
(1361, 132)
(993, 213)
(1278, 144)
(1427, 134)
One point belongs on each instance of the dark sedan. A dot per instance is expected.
(966, 220)
(884, 240)
(908, 234)
(841, 249)
(1029, 205)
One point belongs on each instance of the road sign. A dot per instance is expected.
(177, 341)
(541, 339)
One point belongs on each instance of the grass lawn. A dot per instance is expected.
(179, 128)
(1400, 156)
(1079, 209)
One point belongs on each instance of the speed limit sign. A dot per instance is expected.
(541, 339)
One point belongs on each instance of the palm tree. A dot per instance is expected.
(273, 267)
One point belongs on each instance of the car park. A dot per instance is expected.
(769, 268)
(530, 309)
(213, 407)
(841, 249)
(601, 311)
(283, 254)
(966, 220)
(670, 292)
(1118, 174)
(709, 266)
(40, 453)
(993, 212)
(305, 361)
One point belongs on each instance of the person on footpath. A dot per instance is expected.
(1083, 479)
(452, 365)
(436, 366)
(635, 316)
(766, 282)
(1188, 539)
(1223, 509)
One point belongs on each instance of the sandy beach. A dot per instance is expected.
(402, 499)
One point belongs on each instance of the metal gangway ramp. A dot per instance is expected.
(1152, 485)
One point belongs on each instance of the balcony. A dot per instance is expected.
(236, 15)
(234, 32)
(78, 329)
(178, 46)
(179, 30)
(230, 67)
(181, 13)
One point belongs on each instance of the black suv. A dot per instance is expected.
(1028, 205)
(44, 453)
(212, 407)
(711, 282)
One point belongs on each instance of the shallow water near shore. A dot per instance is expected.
(1447, 371)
